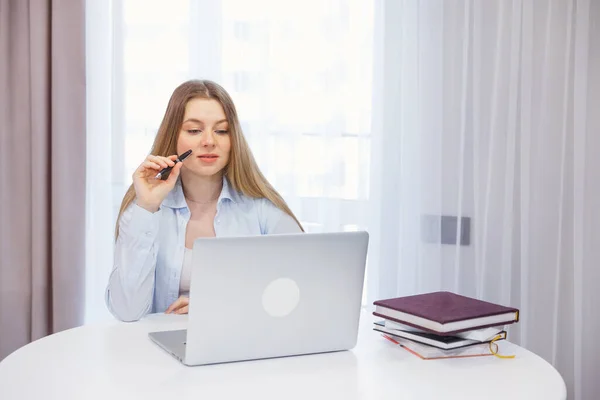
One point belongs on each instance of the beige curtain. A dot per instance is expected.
(42, 169)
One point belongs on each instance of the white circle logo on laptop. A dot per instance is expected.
(280, 297)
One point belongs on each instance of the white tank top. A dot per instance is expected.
(186, 273)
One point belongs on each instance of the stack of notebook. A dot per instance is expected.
(444, 324)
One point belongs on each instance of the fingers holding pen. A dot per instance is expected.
(164, 162)
(154, 179)
(174, 173)
(152, 165)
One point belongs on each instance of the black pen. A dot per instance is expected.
(164, 173)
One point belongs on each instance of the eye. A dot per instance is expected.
(222, 132)
(194, 131)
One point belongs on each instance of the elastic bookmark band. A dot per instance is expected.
(492, 343)
(494, 348)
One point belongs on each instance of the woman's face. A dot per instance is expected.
(205, 131)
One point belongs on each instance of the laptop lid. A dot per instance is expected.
(268, 296)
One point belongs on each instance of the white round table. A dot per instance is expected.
(118, 361)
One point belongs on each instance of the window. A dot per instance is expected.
(298, 72)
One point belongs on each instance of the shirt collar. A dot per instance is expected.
(227, 192)
(176, 199)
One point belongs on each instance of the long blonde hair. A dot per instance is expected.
(242, 172)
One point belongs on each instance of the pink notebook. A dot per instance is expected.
(445, 313)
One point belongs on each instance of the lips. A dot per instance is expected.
(208, 158)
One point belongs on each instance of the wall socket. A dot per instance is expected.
(441, 229)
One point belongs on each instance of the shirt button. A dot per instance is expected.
(148, 233)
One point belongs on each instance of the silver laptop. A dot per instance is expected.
(259, 297)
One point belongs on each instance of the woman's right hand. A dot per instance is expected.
(149, 191)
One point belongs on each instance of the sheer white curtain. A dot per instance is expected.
(489, 111)
(385, 116)
(299, 73)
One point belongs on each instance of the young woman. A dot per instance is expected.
(216, 191)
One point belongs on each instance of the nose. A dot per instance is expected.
(208, 139)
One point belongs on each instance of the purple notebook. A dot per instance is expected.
(445, 313)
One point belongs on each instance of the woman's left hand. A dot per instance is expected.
(179, 306)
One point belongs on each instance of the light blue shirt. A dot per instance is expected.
(149, 250)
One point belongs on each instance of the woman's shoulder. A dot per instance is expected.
(255, 204)
(269, 216)
(273, 219)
